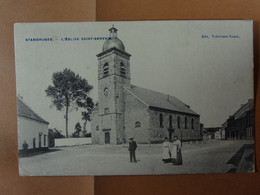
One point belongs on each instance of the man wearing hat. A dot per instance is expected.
(132, 148)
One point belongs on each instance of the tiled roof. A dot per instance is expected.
(160, 100)
(25, 111)
(241, 112)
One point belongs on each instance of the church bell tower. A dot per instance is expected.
(113, 76)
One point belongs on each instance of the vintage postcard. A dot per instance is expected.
(135, 98)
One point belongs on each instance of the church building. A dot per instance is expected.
(126, 111)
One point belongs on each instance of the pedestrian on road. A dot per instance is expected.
(132, 148)
(166, 151)
(25, 149)
(176, 152)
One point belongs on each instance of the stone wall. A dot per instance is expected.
(112, 103)
(95, 127)
(136, 111)
(157, 133)
(72, 141)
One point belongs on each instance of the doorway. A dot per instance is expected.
(40, 140)
(171, 131)
(34, 142)
(107, 138)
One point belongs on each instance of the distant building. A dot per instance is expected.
(223, 130)
(240, 125)
(32, 129)
(126, 111)
(213, 132)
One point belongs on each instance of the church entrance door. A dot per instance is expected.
(107, 138)
(170, 134)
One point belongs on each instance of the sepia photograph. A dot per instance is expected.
(135, 98)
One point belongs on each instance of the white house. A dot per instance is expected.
(32, 129)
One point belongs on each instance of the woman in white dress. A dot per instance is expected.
(166, 151)
(176, 152)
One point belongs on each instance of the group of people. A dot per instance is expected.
(172, 152)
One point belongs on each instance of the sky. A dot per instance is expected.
(214, 76)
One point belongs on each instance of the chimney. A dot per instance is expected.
(21, 97)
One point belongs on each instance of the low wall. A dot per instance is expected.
(72, 141)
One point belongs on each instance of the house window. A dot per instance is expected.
(105, 69)
(97, 128)
(106, 110)
(161, 120)
(137, 124)
(179, 122)
(122, 68)
(186, 121)
(170, 121)
(192, 123)
(44, 140)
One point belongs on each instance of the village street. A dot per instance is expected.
(210, 157)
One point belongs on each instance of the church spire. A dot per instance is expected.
(113, 32)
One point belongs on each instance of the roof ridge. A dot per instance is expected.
(243, 106)
(38, 118)
(136, 96)
(156, 91)
(162, 99)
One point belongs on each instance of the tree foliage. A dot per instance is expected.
(77, 130)
(69, 89)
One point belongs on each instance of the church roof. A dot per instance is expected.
(25, 111)
(113, 42)
(160, 100)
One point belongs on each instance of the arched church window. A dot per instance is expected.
(170, 121)
(179, 122)
(186, 123)
(137, 124)
(122, 68)
(192, 123)
(161, 120)
(105, 69)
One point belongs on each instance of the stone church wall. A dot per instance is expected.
(95, 127)
(136, 111)
(157, 132)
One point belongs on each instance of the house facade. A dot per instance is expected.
(126, 111)
(240, 125)
(32, 129)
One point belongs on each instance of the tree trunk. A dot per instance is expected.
(67, 113)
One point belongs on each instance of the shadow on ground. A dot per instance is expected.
(23, 154)
(243, 160)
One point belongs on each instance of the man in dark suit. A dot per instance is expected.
(132, 148)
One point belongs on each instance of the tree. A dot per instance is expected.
(86, 115)
(68, 89)
(77, 130)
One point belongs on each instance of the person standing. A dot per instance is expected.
(132, 148)
(25, 148)
(166, 150)
(176, 152)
